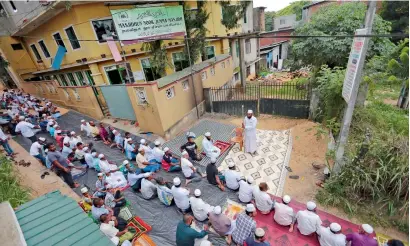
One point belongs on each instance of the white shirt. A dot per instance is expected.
(79, 153)
(180, 197)
(148, 189)
(245, 191)
(148, 151)
(84, 128)
(89, 159)
(74, 141)
(133, 178)
(35, 148)
(328, 238)
(262, 200)
(106, 167)
(186, 166)
(157, 154)
(25, 128)
(66, 151)
(200, 209)
(140, 160)
(283, 214)
(129, 149)
(66, 139)
(232, 179)
(2, 135)
(308, 222)
(208, 146)
(109, 230)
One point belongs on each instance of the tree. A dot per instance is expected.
(293, 8)
(269, 15)
(397, 12)
(398, 67)
(232, 13)
(337, 19)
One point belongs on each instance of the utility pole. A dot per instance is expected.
(347, 118)
(242, 65)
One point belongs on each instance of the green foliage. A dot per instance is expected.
(293, 8)
(158, 59)
(10, 189)
(335, 19)
(269, 15)
(3, 62)
(397, 12)
(231, 14)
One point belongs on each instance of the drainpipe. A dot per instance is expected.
(192, 77)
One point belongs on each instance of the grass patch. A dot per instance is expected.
(384, 91)
(296, 89)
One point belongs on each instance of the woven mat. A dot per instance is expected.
(143, 240)
(140, 226)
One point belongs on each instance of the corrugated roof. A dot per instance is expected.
(54, 219)
(187, 71)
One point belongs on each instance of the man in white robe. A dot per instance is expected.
(249, 124)
(116, 180)
(209, 148)
(105, 166)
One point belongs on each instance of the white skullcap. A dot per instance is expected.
(73, 132)
(286, 199)
(146, 175)
(218, 210)
(55, 126)
(259, 232)
(46, 150)
(250, 111)
(184, 153)
(70, 164)
(85, 148)
(250, 207)
(166, 149)
(100, 174)
(125, 162)
(231, 164)
(84, 190)
(129, 139)
(142, 141)
(94, 154)
(65, 142)
(213, 159)
(59, 131)
(207, 134)
(157, 142)
(335, 227)
(109, 186)
(310, 205)
(249, 180)
(177, 181)
(197, 192)
(21, 118)
(205, 243)
(42, 139)
(82, 120)
(44, 115)
(140, 149)
(101, 156)
(367, 228)
(114, 131)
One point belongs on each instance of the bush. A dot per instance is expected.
(10, 189)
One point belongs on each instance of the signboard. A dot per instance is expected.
(352, 65)
(145, 24)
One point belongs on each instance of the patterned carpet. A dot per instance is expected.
(268, 164)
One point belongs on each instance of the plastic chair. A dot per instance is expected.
(238, 137)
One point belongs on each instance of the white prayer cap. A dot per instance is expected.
(82, 121)
(286, 199)
(101, 156)
(197, 192)
(146, 175)
(125, 162)
(55, 126)
(205, 243)
(21, 118)
(65, 142)
(42, 139)
(310, 205)
(249, 179)
(100, 174)
(129, 139)
(72, 132)
(213, 159)
(94, 154)
(109, 186)
(46, 150)
(114, 131)
(49, 117)
(59, 131)
(259, 232)
(250, 111)
(250, 207)
(70, 164)
(84, 190)
(157, 143)
(184, 153)
(367, 228)
(142, 141)
(231, 164)
(166, 149)
(85, 148)
(140, 149)
(218, 210)
(335, 227)
(207, 134)
(177, 181)
(44, 115)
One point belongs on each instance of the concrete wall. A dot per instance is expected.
(259, 19)
(284, 22)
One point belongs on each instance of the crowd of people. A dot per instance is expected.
(27, 115)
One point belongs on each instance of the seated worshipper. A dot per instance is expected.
(284, 214)
(114, 199)
(99, 209)
(80, 153)
(199, 208)
(66, 149)
(95, 133)
(118, 141)
(191, 147)
(263, 201)
(331, 236)
(208, 146)
(308, 221)
(88, 157)
(53, 129)
(147, 150)
(43, 123)
(181, 196)
(127, 136)
(116, 179)
(111, 135)
(213, 176)
(246, 188)
(245, 225)
(50, 124)
(164, 193)
(100, 189)
(108, 227)
(87, 199)
(103, 134)
(48, 162)
(190, 172)
(96, 160)
(76, 171)
(157, 152)
(148, 187)
(221, 223)
(60, 164)
(143, 163)
(105, 166)
(258, 239)
(185, 235)
(84, 128)
(74, 139)
(134, 180)
(232, 177)
(36, 150)
(170, 163)
(59, 138)
(130, 150)
(26, 129)
(363, 237)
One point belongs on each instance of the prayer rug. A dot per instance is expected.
(232, 209)
(143, 240)
(139, 225)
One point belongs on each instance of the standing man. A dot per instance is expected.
(4, 141)
(26, 129)
(249, 124)
(61, 165)
(186, 235)
(36, 150)
(363, 237)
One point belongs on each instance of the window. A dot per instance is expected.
(248, 71)
(17, 46)
(209, 53)
(75, 92)
(141, 95)
(89, 77)
(58, 39)
(73, 38)
(170, 93)
(282, 21)
(149, 72)
(46, 77)
(237, 48)
(212, 71)
(71, 78)
(63, 81)
(185, 85)
(44, 49)
(80, 78)
(223, 64)
(236, 76)
(245, 18)
(103, 28)
(247, 46)
(203, 75)
(13, 6)
(180, 61)
(35, 52)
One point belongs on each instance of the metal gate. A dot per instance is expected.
(118, 101)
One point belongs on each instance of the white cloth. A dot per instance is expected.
(308, 222)
(86, 128)
(200, 209)
(66, 151)
(283, 214)
(79, 153)
(328, 238)
(180, 197)
(148, 189)
(66, 139)
(262, 200)
(25, 128)
(133, 178)
(129, 150)
(2, 135)
(232, 178)
(109, 230)
(210, 150)
(50, 122)
(245, 191)
(250, 134)
(140, 160)
(106, 167)
(186, 167)
(35, 148)
(148, 152)
(74, 140)
(89, 159)
(116, 179)
(157, 154)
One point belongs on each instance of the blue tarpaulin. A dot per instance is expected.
(58, 59)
